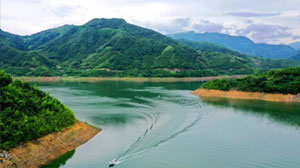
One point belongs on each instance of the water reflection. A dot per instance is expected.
(117, 119)
(136, 117)
(60, 161)
(283, 113)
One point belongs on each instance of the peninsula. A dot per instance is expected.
(281, 85)
(35, 128)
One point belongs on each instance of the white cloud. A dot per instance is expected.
(166, 16)
(208, 26)
(252, 14)
(173, 26)
(266, 32)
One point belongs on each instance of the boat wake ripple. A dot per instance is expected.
(164, 125)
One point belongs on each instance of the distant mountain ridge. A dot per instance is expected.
(296, 56)
(295, 45)
(239, 43)
(113, 47)
(217, 53)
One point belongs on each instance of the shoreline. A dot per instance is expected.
(274, 97)
(131, 79)
(41, 151)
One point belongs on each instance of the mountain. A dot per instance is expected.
(296, 45)
(101, 47)
(296, 56)
(239, 43)
(208, 47)
(226, 54)
(113, 47)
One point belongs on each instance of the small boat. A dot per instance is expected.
(113, 162)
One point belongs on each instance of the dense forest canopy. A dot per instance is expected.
(112, 47)
(275, 81)
(27, 113)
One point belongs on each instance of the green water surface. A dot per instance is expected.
(161, 125)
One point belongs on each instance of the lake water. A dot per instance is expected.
(161, 125)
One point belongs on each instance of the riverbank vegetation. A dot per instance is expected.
(28, 113)
(285, 81)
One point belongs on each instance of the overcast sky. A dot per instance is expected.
(269, 21)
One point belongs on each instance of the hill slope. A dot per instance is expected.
(239, 43)
(112, 47)
(27, 113)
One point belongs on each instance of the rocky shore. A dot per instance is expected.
(41, 151)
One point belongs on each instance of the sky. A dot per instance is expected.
(263, 21)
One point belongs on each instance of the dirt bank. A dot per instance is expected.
(41, 151)
(248, 95)
(138, 79)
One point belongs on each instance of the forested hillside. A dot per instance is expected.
(26, 113)
(112, 47)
